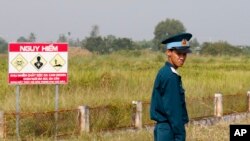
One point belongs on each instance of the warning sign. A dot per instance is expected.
(38, 63)
(19, 62)
(57, 62)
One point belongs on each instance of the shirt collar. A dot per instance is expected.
(172, 68)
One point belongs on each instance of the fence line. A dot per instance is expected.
(84, 118)
(83, 123)
(248, 100)
(218, 108)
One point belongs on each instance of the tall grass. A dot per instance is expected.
(126, 76)
(209, 75)
(218, 132)
(119, 78)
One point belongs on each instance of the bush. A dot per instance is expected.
(220, 48)
(3, 46)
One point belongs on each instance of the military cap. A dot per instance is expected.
(178, 42)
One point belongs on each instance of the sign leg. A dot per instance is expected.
(56, 109)
(17, 111)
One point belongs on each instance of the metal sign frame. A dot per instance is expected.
(35, 49)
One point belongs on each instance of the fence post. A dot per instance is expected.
(248, 97)
(138, 114)
(83, 117)
(218, 107)
(1, 125)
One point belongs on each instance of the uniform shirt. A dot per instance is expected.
(168, 100)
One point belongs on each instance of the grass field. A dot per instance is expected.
(122, 77)
(119, 78)
(217, 132)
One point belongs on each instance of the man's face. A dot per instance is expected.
(177, 59)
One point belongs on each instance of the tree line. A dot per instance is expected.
(110, 43)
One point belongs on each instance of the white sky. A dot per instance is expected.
(207, 20)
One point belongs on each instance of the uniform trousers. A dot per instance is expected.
(163, 132)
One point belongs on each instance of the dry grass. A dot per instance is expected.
(77, 51)
(217, 132)
(119, 78)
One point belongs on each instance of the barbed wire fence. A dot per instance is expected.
(108, 118)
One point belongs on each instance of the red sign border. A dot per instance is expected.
(64, 49)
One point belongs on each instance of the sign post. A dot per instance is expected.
(56, 109)
(38, 63)
(17, 111)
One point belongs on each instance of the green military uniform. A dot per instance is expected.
(168, 107)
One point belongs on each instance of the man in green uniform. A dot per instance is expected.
(168, 106)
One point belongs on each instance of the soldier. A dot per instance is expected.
(168, 106)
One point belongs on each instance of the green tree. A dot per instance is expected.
(245, 50)
(220, 48)
(195, 46)
(194, 43)
(62, 38)
(94, 44)
(22, 39)
(108, 44)
(77, 42)
(3, 46)
(104, 45)
(144, 44)
(32, 37)
(123, 44)
(167, 28)
(95, 31)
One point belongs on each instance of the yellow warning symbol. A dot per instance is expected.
(57, 62)
(38, 62)
(19, 62)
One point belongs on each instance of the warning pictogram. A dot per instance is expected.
(19, 62)
(38, 62)
(57, 62)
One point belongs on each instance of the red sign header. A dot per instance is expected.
(38, 47)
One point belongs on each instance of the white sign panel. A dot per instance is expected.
(38, 63)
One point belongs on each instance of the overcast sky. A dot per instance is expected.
(207, 20)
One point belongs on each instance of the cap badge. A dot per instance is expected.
(184, 42)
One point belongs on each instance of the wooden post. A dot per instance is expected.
(1, 125)
(83, 117)
(248, 97)
(138, 114)
(218, 107)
